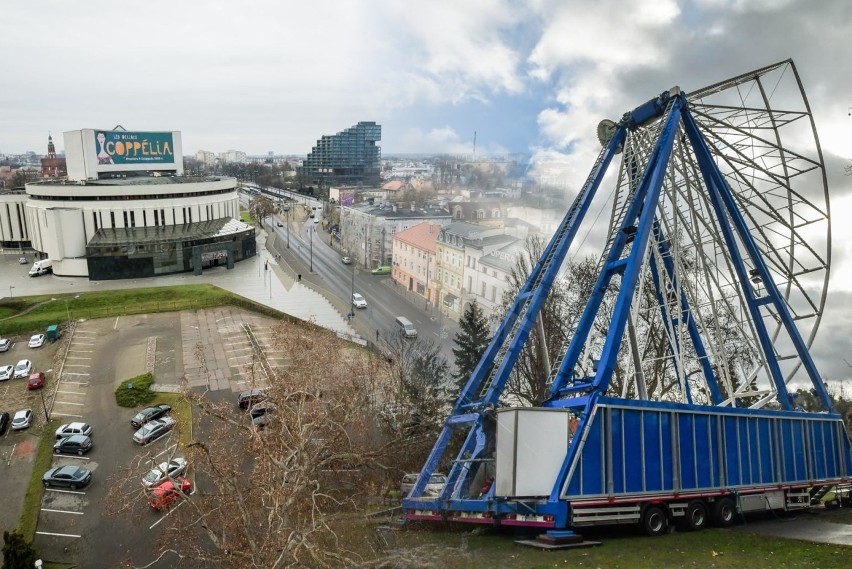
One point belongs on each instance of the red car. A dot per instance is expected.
(36, 381)
(166, 494)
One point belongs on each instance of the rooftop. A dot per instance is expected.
(422, 236)
(200, 230)
(390, 211)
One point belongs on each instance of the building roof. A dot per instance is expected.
(169, 233)
(503, 259)
(422, 236)
(393, 186)
(396, 212)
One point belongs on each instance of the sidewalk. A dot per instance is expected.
(251, 278)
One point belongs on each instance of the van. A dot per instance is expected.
(406, 328)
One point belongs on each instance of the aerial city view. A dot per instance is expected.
(416, 285)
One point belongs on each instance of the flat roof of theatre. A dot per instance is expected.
(134, 181)
(170, 233)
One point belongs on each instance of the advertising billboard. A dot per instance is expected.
(347, 197)
(123, 147)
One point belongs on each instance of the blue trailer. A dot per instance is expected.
(674, 398)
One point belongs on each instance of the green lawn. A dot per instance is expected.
(620, 547)
(35, 313)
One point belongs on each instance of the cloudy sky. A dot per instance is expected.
(532, 76)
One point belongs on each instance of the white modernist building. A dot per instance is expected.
(127, 211)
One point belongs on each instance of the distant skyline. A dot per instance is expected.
(526, 76)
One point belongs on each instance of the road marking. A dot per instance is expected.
(61, 512)
(69, 382)
(81, 351)
(116, 323)
(72, 456)
(67, 415)
(72, 392)
(78, 357)
(167, 514)
(83, 344)
(69, 403)
(57, 534)
(73, 373)
(78, 365)
(65, 491)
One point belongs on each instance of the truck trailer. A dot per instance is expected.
(677, 395)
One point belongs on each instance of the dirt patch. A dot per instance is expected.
(25, 449)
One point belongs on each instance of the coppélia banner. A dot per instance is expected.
(122, 147)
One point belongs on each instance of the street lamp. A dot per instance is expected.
(311, 234)
(288, 226)
(10, 291)
(352, 296)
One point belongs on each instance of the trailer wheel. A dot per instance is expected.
(723, 512)
(695, 518)
(654, 521)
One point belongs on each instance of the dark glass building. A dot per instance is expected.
(350, 157)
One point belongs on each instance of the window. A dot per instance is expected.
(493, 293)
(95, 219)
(112, 218)
(132, 219)
(156, 217)
(482, 293)
(125, 219)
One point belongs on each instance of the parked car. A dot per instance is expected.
(316, 219)
(72, 477)
(434, 487)
(153, 430)
(22, 261)
(279, 224)
(249, 398)
(23, 368)
(359, 301)
(382, 270)
(165, 470)
(167, 493)
(73, 429)
(37, 341)
(73, 444)
(149, 414)
(5, 344)
(35, 381)
(262, 408)
(259, 423)
(346, 260)
(4, 423)
(6, 372)
(22, 419)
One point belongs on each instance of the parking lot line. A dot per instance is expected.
(61, 512)
(76, 382)
(77, 358)
(67, 415)
(72, 392)
(169, 513)
(78, 365)
(69, 403)
(65, 491)
(84, 344)
(80, 351)
(74, 373)
(57, 534)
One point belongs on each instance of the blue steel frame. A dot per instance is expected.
(584, 393)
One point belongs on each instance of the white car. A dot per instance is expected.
(22, 419)
(37, 341)
(359, 301)
(23, 368)
(316, 220)
(5, 344)
(165, 470)
(73, 429)
(6, 372)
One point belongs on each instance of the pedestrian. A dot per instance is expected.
(300, 277)
(377, 335)
(265, 265)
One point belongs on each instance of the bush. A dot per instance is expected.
(135, 391)
(17, 553)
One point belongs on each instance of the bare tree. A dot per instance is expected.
(278, 497)
(260, 208)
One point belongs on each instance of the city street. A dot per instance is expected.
(385, 300)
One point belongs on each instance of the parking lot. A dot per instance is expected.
(221, 351)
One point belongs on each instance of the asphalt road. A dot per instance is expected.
(384, 302)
